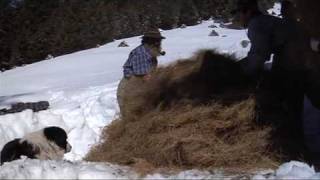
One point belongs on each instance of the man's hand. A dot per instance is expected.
(147, 77)
(315, 45)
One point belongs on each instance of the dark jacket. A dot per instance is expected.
(280, 90)
(269, 35)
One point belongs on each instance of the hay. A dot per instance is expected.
(192, 114)
(199, 113)
(198, 80)
(189, 136)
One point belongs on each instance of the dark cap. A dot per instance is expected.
(154, 33)
(243, 5)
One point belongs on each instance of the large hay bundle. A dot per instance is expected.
(196, 113)
(205, 77)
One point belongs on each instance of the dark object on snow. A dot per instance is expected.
(212, 26)
(183, 26)
(221, 20)
(5, 66)
(231, 26)
(123, 44)
(245, 43)
(213, 33)
(49, 57)
(162, 53)
(19, 107)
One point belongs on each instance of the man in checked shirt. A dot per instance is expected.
(136, 70)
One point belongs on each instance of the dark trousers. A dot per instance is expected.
(280, 99)
(311, 122)
(311, 126)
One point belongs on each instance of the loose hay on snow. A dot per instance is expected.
(197, 113)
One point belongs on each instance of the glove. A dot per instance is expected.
(315, 44)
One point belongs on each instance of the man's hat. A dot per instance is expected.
(245, 5)
(154, 33)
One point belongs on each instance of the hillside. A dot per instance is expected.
(30, 30)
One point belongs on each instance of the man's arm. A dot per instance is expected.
(315, 45)
(260, 50)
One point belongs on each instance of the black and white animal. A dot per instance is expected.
(49, 143)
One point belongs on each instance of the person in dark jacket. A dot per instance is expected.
(311, 114)
(288, 91)
(311, 89)
(279, 96)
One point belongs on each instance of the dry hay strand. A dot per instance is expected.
(197, 113)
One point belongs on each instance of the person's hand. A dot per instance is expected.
(315, 44)
(147, 77)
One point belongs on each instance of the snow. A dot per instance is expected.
(82, 113)
(81, 89)
(291, 170)
(36, 169)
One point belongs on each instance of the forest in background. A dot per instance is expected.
(30, 30)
